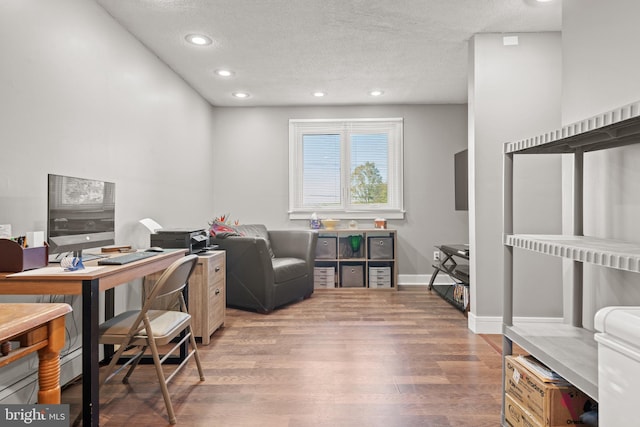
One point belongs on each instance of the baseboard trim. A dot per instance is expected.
(484, 324)
(477, 324)
(493, 324)
(421, 280)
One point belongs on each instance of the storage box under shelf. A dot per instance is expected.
(548, 403)
(324, 277)
(352, 276)
(517, 416)
(380, 277)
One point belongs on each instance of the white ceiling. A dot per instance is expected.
(281, 51)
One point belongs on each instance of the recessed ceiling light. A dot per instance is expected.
(543, 1)
(241, 95)
(376, 92)
(319, 94)
(198, 39)
(224, 73)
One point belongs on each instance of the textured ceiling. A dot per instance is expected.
(281, 51)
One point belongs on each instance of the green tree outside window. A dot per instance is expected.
(367, 186)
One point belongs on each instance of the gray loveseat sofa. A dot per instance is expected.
(267, 268)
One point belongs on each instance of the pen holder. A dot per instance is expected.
(14, 258)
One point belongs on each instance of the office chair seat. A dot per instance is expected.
(166, 325)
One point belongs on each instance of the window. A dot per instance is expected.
(345, 168)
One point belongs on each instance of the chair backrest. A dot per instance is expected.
(173, 280)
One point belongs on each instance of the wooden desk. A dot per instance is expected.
(88, 283)
(38, 327)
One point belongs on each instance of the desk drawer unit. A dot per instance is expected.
(217, 297)
(207, 299)
(352, 276)
(381, 247)
(326, 247)
(379, 277)
(324, 277)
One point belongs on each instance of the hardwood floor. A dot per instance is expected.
(341, 358)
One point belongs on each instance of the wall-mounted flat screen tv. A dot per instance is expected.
(461, 177)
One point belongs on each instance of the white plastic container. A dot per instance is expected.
(618, 337)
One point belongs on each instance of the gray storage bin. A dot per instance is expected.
(380, 247)
(326, 247)
(352, 276)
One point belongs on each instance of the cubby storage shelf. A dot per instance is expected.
(607, 253)
(372, 266)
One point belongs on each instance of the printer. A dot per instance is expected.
(196, 240)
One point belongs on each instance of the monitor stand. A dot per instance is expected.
(86, 256)
(56, 258)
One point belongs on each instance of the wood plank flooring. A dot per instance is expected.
(341, 358)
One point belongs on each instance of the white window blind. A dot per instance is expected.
(349, 168)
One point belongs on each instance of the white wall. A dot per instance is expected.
(514, 93)
(251, 171)
(600, 73)
(81, 97)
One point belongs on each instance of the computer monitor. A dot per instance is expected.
(81, 214)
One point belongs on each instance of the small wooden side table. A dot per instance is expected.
(38, 327)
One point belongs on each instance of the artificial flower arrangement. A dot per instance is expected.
(222, 225)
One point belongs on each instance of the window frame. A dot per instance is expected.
(394, 128)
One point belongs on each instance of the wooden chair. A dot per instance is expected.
(149, 328)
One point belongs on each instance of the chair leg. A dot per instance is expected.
(161, 380)
(111, 366)
(137, 360)
(196, 354)
(192, 338)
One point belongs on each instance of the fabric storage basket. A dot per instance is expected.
(326, 247)
(352, 276)
(380, 247)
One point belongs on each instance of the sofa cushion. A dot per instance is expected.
(258, 231)
(285, 269)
